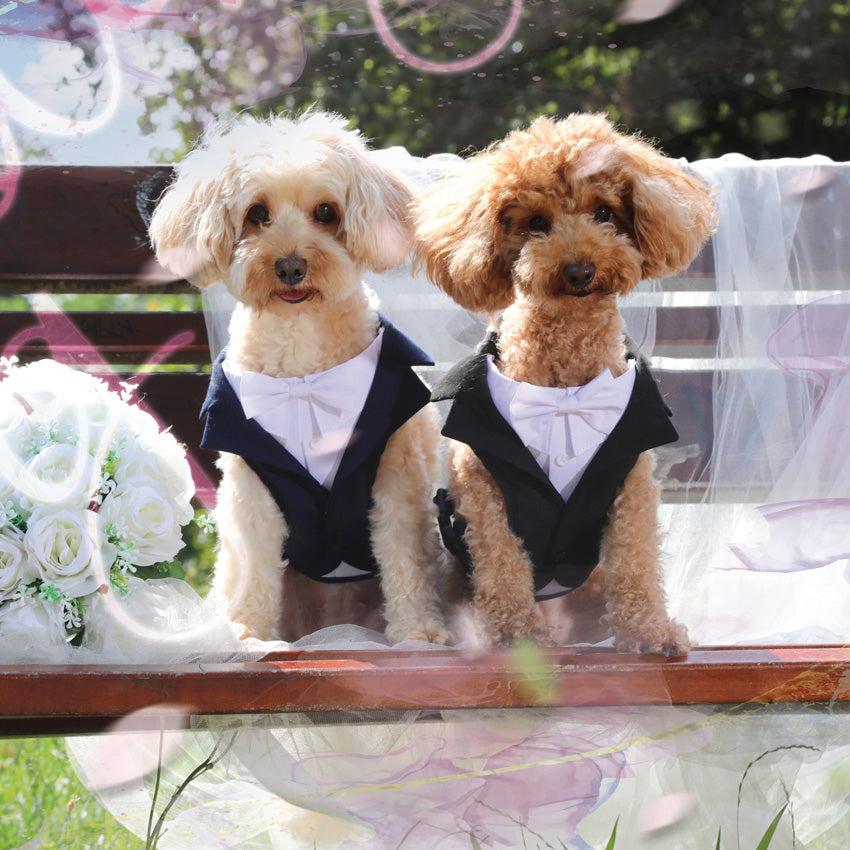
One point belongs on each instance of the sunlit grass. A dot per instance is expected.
(43, 802)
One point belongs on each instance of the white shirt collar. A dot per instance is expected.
(312, 417)
(562, 427)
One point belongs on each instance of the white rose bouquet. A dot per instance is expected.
(92, 493)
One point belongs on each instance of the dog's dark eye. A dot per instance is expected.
(603, 214)
(325, 214)
(539, 224)
(258, 214)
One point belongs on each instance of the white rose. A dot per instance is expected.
(8, 490)
(37, 386)
(59, 476)
(18, 434)
(48, 388)
(15, 568)
(147, 518)
(159, 458)
(32, 630)
(138, 422)
(81, 424)
(12, 412)
(63, 546)
(70, 405)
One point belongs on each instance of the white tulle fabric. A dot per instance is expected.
(756, 550)
(762, 555)
(670, 778)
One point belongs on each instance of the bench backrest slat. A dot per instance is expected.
(81, 224)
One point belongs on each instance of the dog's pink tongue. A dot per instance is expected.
(291, 295)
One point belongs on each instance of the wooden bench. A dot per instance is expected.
(82, 230)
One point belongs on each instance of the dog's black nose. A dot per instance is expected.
(291, 269)
(579, 275)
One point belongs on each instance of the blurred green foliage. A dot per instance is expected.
(766, 78)
(197, 558)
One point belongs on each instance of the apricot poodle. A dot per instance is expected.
(553, 419)
(329, 448)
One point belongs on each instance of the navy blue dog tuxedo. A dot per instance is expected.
(327, 527)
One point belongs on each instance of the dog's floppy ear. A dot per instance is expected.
(674, 214)
(378, 229)
(456, 241)
(191, 229)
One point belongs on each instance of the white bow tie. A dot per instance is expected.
(312, 417)
(588, 414)
(328, 396)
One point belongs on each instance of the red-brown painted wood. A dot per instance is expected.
(82, 698)
(120, 338)
(72, 222)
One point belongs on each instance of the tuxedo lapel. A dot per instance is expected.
(475, 420)
(645, 424)
(395, 395)
(227, 430)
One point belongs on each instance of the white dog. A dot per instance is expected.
(329, 450)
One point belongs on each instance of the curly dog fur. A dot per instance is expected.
(253, 197)
(551, 225)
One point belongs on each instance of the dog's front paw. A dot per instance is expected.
(668, 639)
(534, 634)
(510, 642)
(433, 631)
